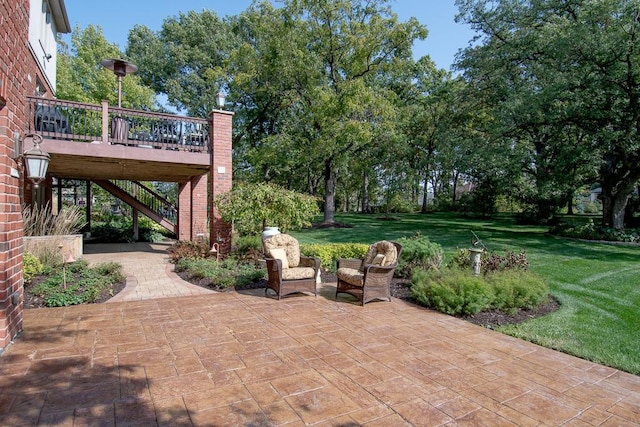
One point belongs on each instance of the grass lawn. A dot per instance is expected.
(598, 284)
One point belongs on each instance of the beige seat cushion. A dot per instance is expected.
(298, 273)
(384, 248)
(350, 275)
(286, 242)
(378, 259)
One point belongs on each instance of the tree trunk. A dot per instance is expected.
(613, 207)
(425, 192)
(456, 175)
(570, 203)
(614, 202)
(365, 194)
(329, 192)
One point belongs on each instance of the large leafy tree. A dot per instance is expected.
(185, 59)
(81, 77)
(563, 77)
(343, 45)
(300, 77)
(430, 116)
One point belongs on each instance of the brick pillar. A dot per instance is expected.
(184, 211)
(220, 174)
(192, 209)
(199, 226)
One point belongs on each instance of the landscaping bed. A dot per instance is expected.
(84, 285)
(400, 289)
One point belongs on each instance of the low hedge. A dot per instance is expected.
(330, 253)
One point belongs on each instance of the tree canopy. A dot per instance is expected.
(329, 100)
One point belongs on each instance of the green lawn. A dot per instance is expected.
(598, 284)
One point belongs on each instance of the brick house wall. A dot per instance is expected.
(19, 75)
(17, 78)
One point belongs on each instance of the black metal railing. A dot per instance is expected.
(82, 122)
(148, 198)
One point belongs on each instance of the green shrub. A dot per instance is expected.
(398, 204)
(151, 231)
(458, 292)
(112, 269)
(31, 266)
(460, 260)
(330, 253)
(220, 274)
(451, 291)
(248, 247)
(515, 290)
(77, 283)
(418, 252)
(118, 229)
(590, 231)
(112, 232)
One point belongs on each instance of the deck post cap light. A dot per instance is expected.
(220, 99)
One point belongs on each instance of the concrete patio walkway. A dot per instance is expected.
(241, 359)
(147, 268)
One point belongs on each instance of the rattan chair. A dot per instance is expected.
(288, 271)
(369, 279)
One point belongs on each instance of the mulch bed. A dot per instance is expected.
(31, 300)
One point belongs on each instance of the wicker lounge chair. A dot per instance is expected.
(369, 279)
(288, 271)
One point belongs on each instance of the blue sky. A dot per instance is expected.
(117, 17)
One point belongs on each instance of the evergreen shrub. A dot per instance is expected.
(459, 292)
(515, 290)
(452, 292)
(418, 252)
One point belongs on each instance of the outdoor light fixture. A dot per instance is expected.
(120, 68)
(35, 160)
(215, 251)
(220, 100)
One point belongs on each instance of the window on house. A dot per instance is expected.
(40, 88)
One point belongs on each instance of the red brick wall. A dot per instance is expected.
(195, 198)
(199, 225)
(184, 211)
(220, 176)
(17, 79)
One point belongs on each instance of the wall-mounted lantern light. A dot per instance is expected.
(35, 161)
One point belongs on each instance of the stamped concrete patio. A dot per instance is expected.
(241, 359)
